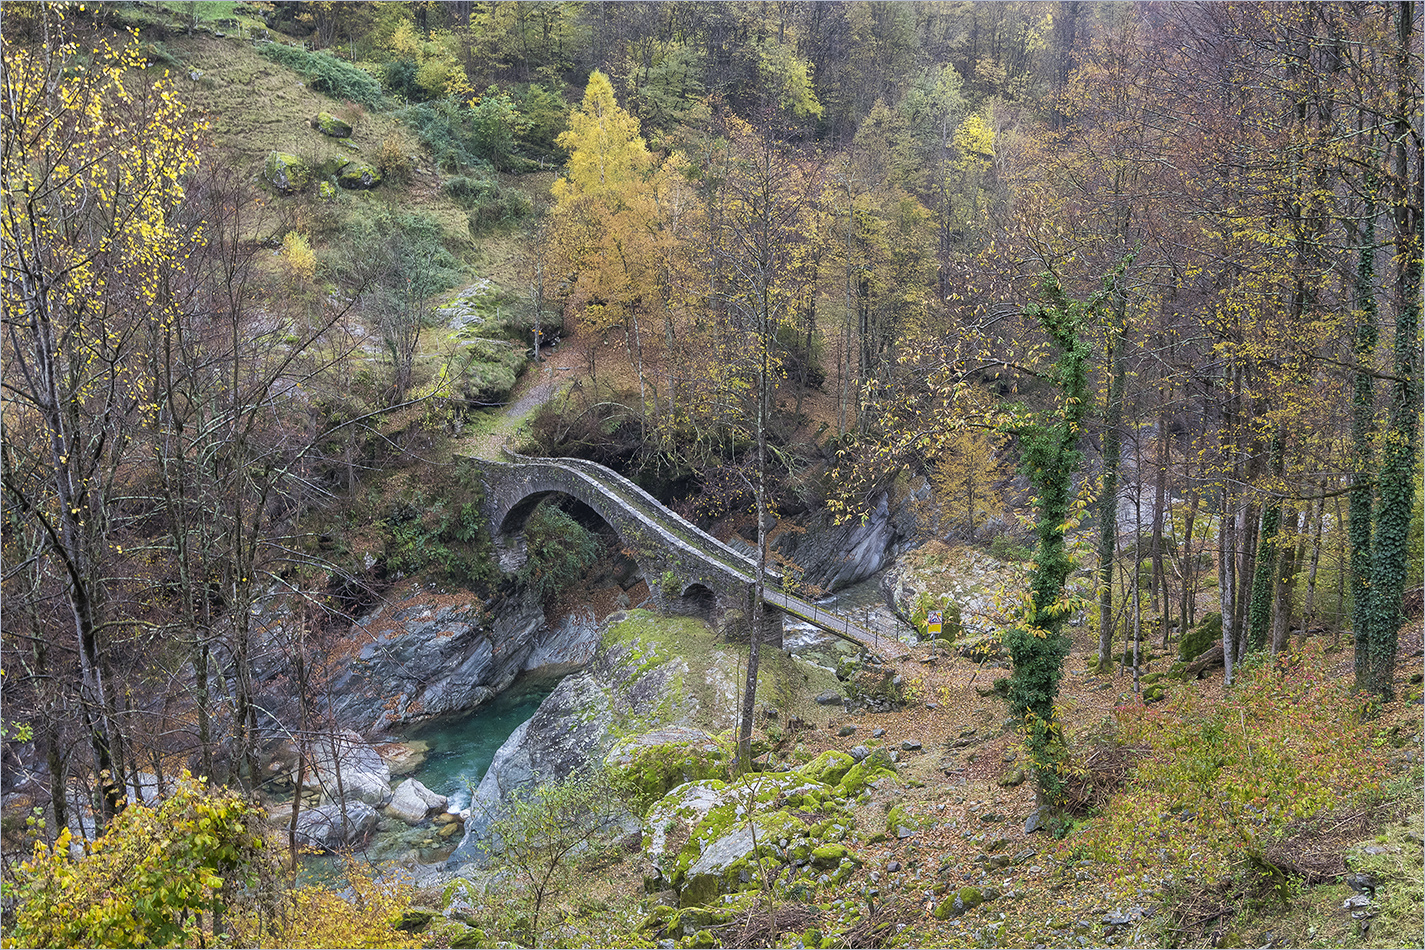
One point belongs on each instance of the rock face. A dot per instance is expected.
(565, 645)
(834, 556)
(639, 681)
(331, 827)
(572, 729)
(423, 656)
(575, 726)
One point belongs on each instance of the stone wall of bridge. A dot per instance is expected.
(687, 572)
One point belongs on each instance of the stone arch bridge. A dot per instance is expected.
(688, 571)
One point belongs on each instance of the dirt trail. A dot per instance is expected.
(539, 384)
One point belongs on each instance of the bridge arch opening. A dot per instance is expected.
(697, 600)
(615, 566)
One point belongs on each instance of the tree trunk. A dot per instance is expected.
(1108, 499)
(1362, 426)
(1264, 578)
(1227, 579)
(1396, 483)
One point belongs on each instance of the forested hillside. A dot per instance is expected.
(1126, 295)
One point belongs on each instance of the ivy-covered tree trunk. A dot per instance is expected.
(1038, 644)
(1395, 485)
(1259, 613)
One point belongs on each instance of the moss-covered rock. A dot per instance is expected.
(359, 176)
(646, 767)
(739, 858)
(898, 818)
(1200, 639)
(872, 768)
(414, 920)
(470, 938)
(964, 900)
(829, 768)
(328, 124)
(286, 173)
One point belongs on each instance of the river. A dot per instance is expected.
(460, 750)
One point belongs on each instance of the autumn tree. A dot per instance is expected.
(603, 222)
(766, 196)
(94, 163)
(966, 473)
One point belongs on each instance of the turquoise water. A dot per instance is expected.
(461, 749)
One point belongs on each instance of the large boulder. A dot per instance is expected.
(960, 579)
(359, 176)
(328, 124)
(335, 826)
(649, 765)
(287, 173)
(346, 768)
(412, 802)
(649, 672)
(709, 838)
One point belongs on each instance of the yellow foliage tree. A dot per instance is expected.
(161, 876)
(966, 473)
(617, 219)
(94, 165)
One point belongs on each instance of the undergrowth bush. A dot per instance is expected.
(325, 73)
(448, 538)
(561, 551)
(490, 204)
(459, 137)
(1223, 778)
(368, 912)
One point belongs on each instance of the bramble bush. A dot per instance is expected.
(325, 73)
(1223, 778)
